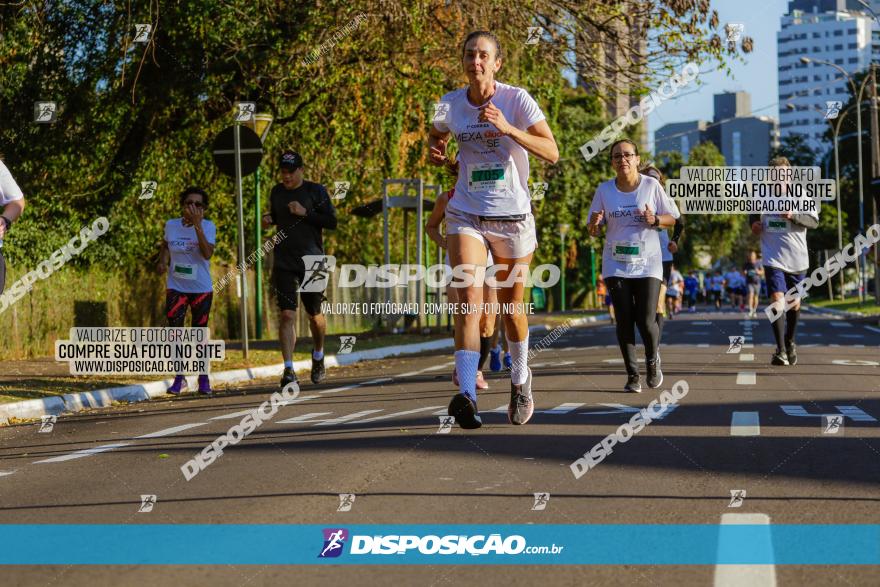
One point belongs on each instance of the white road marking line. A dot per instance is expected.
(502, 409)
(303, 418)
(873, 328)
(855, 414)
(536, 365)
(852, 412)
(84, 453)
(380, 380)
(748, 346)
(244, 413)
(747, 357)
(443, 412)
(745, 424)
(841, 324)
(855, 362)
(620, 361)
(561, 409)
(744, 575)
(702, 323)
(173, 430)
(343, 388)
(564, 363)
(852, 336)
(746, 378)
(703, 345)
(438, 367)
(388, 416)
(6, 473)
(624, 409)
(343, 419)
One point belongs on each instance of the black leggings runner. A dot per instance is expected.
(635, 303)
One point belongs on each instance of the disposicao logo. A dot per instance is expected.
(334, 541)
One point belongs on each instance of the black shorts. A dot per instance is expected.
(667, 271)
(286, 285)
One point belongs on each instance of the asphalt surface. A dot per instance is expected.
(372, 431)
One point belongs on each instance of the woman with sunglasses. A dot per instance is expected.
(633, 206)
(186, 250)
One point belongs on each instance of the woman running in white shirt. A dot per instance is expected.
(495, 126)
(633, 206)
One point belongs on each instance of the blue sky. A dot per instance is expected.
(756, 75)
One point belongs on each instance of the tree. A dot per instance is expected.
(797, 150)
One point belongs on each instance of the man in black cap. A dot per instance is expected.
(301, 209)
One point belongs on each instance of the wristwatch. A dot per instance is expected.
(7, 221)
(656, 223)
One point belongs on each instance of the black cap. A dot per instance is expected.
(291, 160)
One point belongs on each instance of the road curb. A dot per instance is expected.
(837, 313)
(102, 398)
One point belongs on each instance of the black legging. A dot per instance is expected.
(635, 302)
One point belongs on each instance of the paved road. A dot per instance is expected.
(372, 431)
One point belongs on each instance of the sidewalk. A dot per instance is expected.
(111, 390)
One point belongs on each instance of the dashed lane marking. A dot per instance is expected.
(745, 424)
(746, 378)
(744, 575)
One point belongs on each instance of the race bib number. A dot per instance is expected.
(185, 271)
(629, 252)
(777, 225)
(486, 177)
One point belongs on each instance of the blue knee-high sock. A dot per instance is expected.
(466, 365)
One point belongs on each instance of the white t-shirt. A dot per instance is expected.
(784, 244)
(664, 245)
(9, 190)
(632, 246)
(493, 171)
(676, 281)
(189, 271)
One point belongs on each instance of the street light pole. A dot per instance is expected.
(858, 95)
(261, 124)
(563, 230)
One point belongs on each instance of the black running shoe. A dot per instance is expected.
(655, 375)
(318, 371)
(791, 351)
(464, 411)
(288, 377)
(633, 384)
(779, 358)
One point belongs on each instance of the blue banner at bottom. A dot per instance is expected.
(251, 544)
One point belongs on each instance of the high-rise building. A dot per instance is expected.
(821, 30)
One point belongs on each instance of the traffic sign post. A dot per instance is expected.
(238, 152)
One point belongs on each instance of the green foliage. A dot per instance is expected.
(131, 112)
(797, 150)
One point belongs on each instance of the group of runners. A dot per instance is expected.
(488, 220)
(299, 208)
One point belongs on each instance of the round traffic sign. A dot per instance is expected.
(250, 149)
